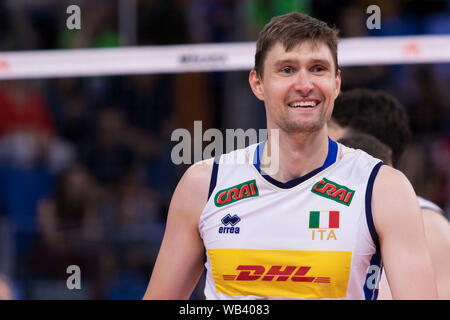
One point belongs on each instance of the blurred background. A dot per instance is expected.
(85, 170)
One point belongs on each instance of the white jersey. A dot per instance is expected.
(427, 204)
(312, 237)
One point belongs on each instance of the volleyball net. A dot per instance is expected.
(215, 57)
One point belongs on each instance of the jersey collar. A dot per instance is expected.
(330, 159)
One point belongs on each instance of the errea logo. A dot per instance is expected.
(232, 221)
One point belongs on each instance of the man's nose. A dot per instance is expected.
(303, 83)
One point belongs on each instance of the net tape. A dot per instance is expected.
(209, 57)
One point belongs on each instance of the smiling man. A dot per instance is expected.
(322, 225)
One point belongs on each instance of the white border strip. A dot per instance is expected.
(208, 57)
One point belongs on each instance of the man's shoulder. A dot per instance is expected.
(391, 180)
(390, 184)
(199, 173)
(394, 199)
(191, 193)
(435, 221)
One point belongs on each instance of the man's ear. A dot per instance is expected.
(338, 83)
(256, 85)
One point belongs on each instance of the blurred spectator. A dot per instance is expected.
(133, 228)
(132, 216)
(69, 217)
(69, 227)
(134, 207)
(427, 111)
(146, 101)
(25, 123)
(68, 105)
(29, 154)
(110, 156)
(26, 129)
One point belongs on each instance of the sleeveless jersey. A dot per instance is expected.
(312, 237)
(427, 204)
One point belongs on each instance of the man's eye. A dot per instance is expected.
(287, 70)
(318, 68)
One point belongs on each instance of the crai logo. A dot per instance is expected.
(241, 191)
(333, 191)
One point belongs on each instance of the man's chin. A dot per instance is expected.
(302, 127)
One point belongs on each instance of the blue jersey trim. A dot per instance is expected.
(369, 190)
(371, 288)
(331, 159)
(213, 181)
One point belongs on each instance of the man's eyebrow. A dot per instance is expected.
(282, 62)
(279, 63)
(321, 61)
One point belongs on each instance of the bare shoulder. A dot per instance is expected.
(393, 200)
(391, 182)
(391, 185)
(200, 171)
(191, 193)
(197, 177)
(388, 174)
(437, 232)
(436, 224)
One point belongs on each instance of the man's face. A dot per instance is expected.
(298, 87)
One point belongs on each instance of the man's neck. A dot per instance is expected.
(298, 153)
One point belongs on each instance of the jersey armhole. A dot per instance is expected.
(369, 191)
(376, 260)
(213, 181)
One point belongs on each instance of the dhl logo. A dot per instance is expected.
(241, 191)
(280, 273)
(277, 273)
(331, 190)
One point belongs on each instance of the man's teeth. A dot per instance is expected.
(303, 104)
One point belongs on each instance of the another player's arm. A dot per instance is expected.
(180, 259)
(384, 292)
(437, 233)
(399, 225)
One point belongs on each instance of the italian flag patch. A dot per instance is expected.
(324, 219)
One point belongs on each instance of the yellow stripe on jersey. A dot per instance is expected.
(281, 273)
